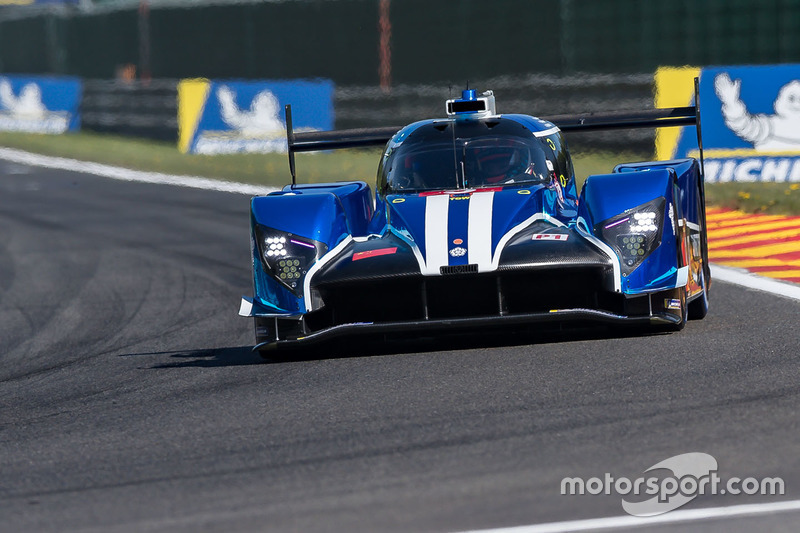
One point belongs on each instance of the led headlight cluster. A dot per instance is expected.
(287, 257)
(644, 221)
(634, 234)
(276, 246)
(289, 269)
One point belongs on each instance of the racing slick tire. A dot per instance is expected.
(698, 308)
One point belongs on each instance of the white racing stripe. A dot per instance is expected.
(516, 229)
(332, 254)
(437, 208)
(639, 523)
(118, 173)
(747, 279)
(479, 231)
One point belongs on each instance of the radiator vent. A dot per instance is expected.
(459, 269)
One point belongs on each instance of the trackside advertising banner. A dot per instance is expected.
(224, 117)
(39, 104)
(36, 2)
(750, 116)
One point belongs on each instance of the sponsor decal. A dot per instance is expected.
(374, 253)
(460, 197)
(550, 237)
(39, 104)
(671, 211)
(221, 117)
(458, 251)
(672, 303)
(750, 117)
(398, 200)
(458, 241)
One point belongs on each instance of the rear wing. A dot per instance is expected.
(363, 137)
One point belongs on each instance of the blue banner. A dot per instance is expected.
(222, 117)
(750, 119)
(39, 104)
(36, 2)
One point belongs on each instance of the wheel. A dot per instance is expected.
(698, 308)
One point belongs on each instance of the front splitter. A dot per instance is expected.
(450, 324)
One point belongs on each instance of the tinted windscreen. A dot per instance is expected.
(476, 155)
(503, 160)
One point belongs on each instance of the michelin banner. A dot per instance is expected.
(750, 117)
(36, 2)
(223, 117)
(39, 104)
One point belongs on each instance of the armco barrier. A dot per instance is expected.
(539, 95)
(136, 108)
(150, 109)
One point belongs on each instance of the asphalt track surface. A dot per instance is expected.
(130, 400)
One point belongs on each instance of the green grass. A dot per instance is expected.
(155, 156)
(771, 198)
(340, 165)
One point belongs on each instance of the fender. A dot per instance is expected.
(326, 214)
(607, 199)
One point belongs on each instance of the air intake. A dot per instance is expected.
(459, 269)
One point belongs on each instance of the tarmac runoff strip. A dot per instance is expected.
(639, 523)
(124, 174)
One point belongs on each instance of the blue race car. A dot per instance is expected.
(476, 222)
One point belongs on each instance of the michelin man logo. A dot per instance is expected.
(258, 129)
(27, 113)
(262, 118)
(27, 104)
(768, 133)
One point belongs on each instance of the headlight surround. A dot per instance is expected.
(287, 257)
(635, 233)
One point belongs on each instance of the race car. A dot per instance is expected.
(476, 222)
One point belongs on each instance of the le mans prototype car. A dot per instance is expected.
(476, 222)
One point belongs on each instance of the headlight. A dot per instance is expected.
(635, 233)
(287, 257)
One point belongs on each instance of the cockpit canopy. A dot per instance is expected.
(452, 154)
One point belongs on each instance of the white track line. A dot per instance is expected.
(747, 279)
(118, 173)
(626, 521)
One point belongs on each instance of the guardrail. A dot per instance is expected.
(150, 109)
(146, 109)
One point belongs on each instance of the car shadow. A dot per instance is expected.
(397, 344)
(390, 345)
(204, 357)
